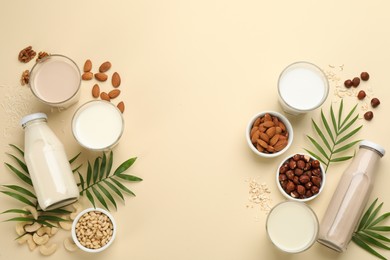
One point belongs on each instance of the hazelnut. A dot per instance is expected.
(298, 172)
(301, 190)
(292, 164)
(309, 193)
(361, 95)
(348, 83)
(314, 189)
(290, 187)
(304, 179)
(316, 181)
(296, 157)
(368, 115)
(301, 164)
(290, 174)
(355, 82)
(294, 194)
(315, 164)
(282, 177)
(364, 76)
(309, 185)
(316, 172)
(283, 168)
(375, 102)
(296, 180)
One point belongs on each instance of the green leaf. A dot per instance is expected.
(380, 219)
(99, 197)
(340, 113)
(380, 228)
(128, 177)
(366, 247)
(322, 136)
(372, 241)
(114, 188)
(17, 149)
(103, 166)
(125, 165)
(21, 175)
(347, 126)
(21, 190)
(21, 219)
(45, 223)
(376, 235)
(20, 163)
(341, 159)
(77, 168)
(59, 211)
(96, 169)
(373, 215)
(350, 134)
(20, 211)
(90, 197)
(52, 218)
(346, 147)
(122, 187)
(107, 194)
(327, 126)
(333, 120)
(366, 215)
(74, 158)
(18, 197)
(81, 183)
(89, 174)
(318, 146)
(109, 164)
(349, 115)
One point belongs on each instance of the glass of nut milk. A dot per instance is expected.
(55, 80)
(302, 87)
(98, 125)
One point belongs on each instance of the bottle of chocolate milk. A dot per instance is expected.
(350, 198)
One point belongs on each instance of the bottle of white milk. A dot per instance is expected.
(350, 198)
(49, 168)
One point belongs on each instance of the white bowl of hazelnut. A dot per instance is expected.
(93, 230)
(300, 177)
(269, 134)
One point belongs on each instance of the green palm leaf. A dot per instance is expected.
(125, 165)
(335, 139)
(21, 190)
(99, 197)
(372, 241)
(107, 194)
(89, 174)
(366, 247)
(380, 219)
(122, 187)
(19, 174)
(103, 167)
(377, 236)
(109, 164)
(114, 189)
(366, 215)
(96, 169)
(19, 211)
(90, 198)
(18, 197)
(20, 163)
(17, 149)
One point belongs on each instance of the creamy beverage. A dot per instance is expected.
(98, 125)
(302, 87)
(292, 226)
(56, 81)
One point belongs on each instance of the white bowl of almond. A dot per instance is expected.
(269, 134)
(94, 230)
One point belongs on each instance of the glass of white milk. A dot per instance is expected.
(292, 226)
(98, 125)
(55, 80)
(302, 87)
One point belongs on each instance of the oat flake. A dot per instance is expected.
(259, 195)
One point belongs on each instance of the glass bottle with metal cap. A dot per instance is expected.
(350, 198)
(47, 163)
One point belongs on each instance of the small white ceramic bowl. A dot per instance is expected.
(281, 118)
(88, 211)
(304, 198)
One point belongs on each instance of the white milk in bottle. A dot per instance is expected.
(49, 168)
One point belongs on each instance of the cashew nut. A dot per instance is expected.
(32, 227)
(29, 239)
(54, 231)
(19, 227)
(32, 210)
(44, 230)
(67, 225)
(70, 245)
(40, 240)
(48, 250)
(78, 208)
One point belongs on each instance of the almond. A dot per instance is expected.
(114, 93)
(280, 145)
(104, 96)
(87, 76)
(274, 139)
(262, 143)
(264, 137)
(271, 131)
(253, 130)
(116, 80)
(87, 65)
(95, 91)
(105, 66)
(101, 76)
(268, 124)
(257, 122)
(121, 106)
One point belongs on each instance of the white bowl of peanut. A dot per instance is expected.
(269, 134)
(93, 230)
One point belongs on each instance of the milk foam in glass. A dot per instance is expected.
(55, 80)
(292, 226)
(98, 125)
(302, 87)
(47, 163)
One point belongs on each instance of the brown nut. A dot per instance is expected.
(121, 106)
(114, 93)
(105, 96)
(375, 102)
(87, 76)
(95, 91)
(101, 76)
(115, 80)
(369, 115)
(87, 66)
(355, 82)
(105, 66)
(364, 76)
(361, 95)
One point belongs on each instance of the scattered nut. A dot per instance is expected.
(29, 239)
(299, 174)
(364, 76)
(87, 76)
(67, 225)
(87, 66)
(114, 93)
(369, 115)
(105, 66)
(95, 91)
(44, 230)
(42, 55)
(348, 83)
(375, 102)
(116, 80)
(47, 250)
(32, 210)
(26, 54)
(361, 95)
(19, 228)
(105, 96)
(77, 209)
(70, 245)
(25, 78)
(101, 76)
(355, 82)
(121, 106)
(33, 227)
(40, 240)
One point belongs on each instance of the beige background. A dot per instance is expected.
(193, 74)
